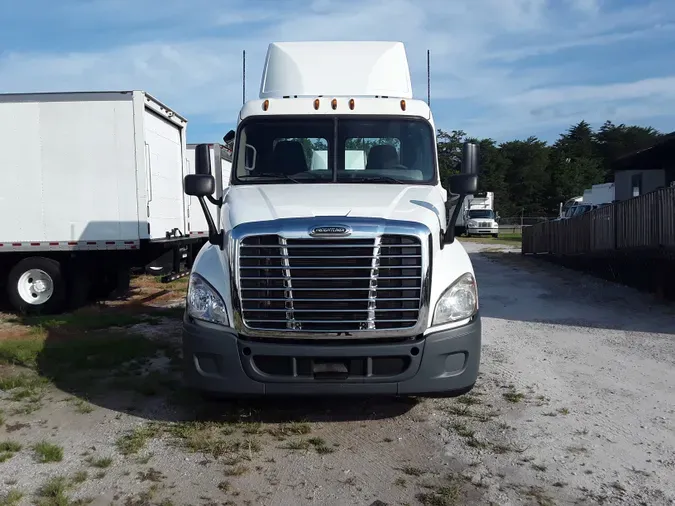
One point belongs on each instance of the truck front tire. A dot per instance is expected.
(37, 285)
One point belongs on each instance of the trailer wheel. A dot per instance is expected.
(36, 285)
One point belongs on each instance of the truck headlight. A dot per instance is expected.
(204, 303)
(471, 223)
(458, 302)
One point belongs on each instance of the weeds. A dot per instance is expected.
(513, 396)
(8, 449)
(11, 498)
(235, 471)
(136, 440)
(412, 471)
(46, 452)
(101, 463)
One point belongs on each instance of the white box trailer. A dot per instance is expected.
(221, 163)
(93, 182)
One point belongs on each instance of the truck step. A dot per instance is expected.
(173, 277)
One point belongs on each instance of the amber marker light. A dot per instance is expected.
(403, 105)
(316, 104)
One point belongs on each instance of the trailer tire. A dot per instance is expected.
(37, 285)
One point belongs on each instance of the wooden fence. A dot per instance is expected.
(646, 222)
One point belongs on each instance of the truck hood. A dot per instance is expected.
(244, 204)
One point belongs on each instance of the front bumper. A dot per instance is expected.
(482, 231)
(442, 363)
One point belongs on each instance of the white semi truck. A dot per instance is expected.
(326, 276)
(92, 186)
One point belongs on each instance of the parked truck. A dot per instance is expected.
(92, 186)
(480, 215)
(342, 280)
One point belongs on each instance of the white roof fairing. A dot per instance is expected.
(336, 69)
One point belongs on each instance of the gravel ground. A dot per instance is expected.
(574, 405)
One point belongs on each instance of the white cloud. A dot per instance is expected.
(480, 54)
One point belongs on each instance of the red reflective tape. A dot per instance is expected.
(91, 242)
(16, 244)
(72, 243)
(133, 247)
(110, 242)
(53, 243)
(35, 244)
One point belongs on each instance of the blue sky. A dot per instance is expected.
(500, 68)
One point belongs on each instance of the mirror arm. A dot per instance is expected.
(449, 236)
(215, 201)
(215, 237)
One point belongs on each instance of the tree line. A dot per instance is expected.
(532, 177)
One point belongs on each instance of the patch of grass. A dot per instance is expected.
(560, 484)
(463, 430)
(53, 492)
(58, 359)
(136, 440)
(46, 452)
(224, 486)
(387, 440)
(27, 381)
(151, 474)
(235, 470)
(298, 444)
(100, 475)
(401, 482)
(412, 471)
(79, 477)
(320, 446)
(84, 320)
(101, 462)
(475, 443)
(82, 406)
(2, 418)
(11, 498)
(513, 396)
(564, 411)
(441, 496)
(539, 467)
(578, 450)
(284, 431)
(145, 459)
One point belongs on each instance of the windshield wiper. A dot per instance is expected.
(379, 179)
(275, 175)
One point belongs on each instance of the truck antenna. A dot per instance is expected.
(243, 78)
(428, 77)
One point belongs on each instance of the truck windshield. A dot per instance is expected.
(487, 214)
(335, 149)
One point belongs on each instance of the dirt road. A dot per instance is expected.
(575, 405)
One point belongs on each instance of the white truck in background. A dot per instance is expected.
(479, 215)
(327, 275)
(597, 196)
(92, 186)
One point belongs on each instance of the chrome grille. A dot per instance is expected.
(330, 285)
(484, 224)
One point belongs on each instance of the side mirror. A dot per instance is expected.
(470, 158)
(228, 136)
(203, 159)
(463, 184)
(199, 185)
(202, 185)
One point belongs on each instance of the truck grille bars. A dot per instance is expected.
(331, 287)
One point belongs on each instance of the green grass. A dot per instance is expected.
(101, 462)
(100, 351)
(86, 320)
(136, 440)
(11, 498)
(46, 452)
(8, 449)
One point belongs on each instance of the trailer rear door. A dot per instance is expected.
(164, 165)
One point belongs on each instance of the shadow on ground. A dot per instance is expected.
(126, 357)
(522, 288)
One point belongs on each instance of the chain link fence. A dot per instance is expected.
(515, 224)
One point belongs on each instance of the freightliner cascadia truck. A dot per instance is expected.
(333, 276)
